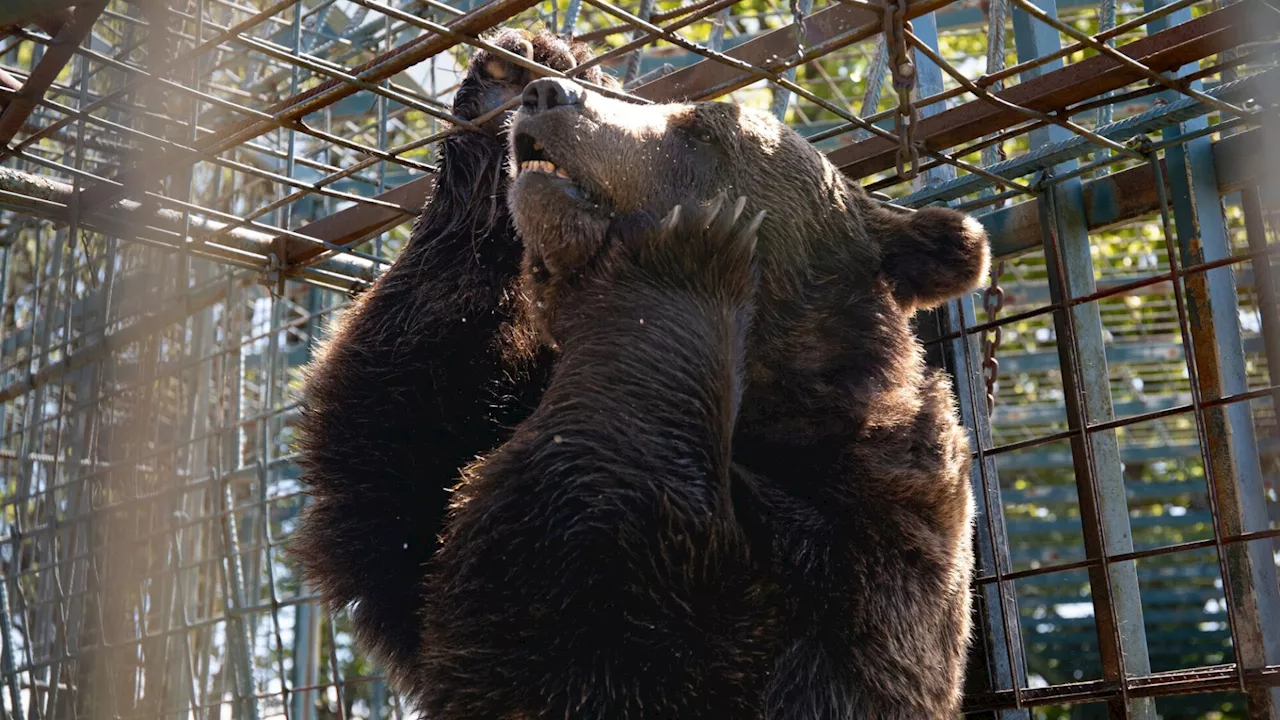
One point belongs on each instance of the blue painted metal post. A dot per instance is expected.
(571, 17)
(7, 666)
(1003, 643)
(929, 82)
(719, 24)
(1002, 646)
(876, 70)
(1119, 611)
(1212, 306)
(377, 700)
(782, 96)
(306, 661)
(633, 61)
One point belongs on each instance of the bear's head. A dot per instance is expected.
(492, 80)
(840, 274)
(469, 198)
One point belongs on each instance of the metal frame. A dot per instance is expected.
(174, 237)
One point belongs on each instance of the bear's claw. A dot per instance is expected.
(709, 247)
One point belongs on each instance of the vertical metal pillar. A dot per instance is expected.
(1212, 308)
(1003, 646)
(1264, 281)
(929, 82)
(306, 661)
(377, 700)
(7, 666)
(632, 68)
(1104, 510)
(239, 639)
(876, 72)
(571, 17)
(782, 96)
(306, 650)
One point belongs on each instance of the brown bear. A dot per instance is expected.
(419, 376)
(742, 494)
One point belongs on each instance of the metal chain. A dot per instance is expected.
(995, 12)
(906, 116)
(798, 13)
(993, 303)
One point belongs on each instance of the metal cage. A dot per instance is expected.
(189, 190)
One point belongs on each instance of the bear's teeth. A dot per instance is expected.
(562, 174)
(539, 166)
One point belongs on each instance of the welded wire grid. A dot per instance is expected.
(189, 190)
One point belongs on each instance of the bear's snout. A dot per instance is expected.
(550, 93)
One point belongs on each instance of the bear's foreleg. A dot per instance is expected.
(593, 567)
(876, 565)
(412, 385)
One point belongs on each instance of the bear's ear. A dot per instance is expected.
(932, 255)
(582, 53)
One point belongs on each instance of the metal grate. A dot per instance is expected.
(190, 189)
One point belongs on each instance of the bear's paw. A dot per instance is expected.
(708, 250)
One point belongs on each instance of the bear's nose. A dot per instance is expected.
(547, 93)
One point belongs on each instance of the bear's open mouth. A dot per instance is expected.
(531, 157)
(531, 160)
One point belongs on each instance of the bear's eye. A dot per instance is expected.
(703, 136)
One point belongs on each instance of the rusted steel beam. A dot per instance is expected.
(1239, 160)
(380, 68)
(1165, 684)
(41, 196)
(56, 57)
(323, 95)
(352, 225)
(1014, 230)
(824, 32)
(40, 12)
(1163, 51)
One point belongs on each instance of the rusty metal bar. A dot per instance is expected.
(1213, 323)
(1255, 226)
(293, 109)
(1004, 646)
(1170, 684)
(16, 12)
(824, 32)
(353, 225)
(42, 197)
(55, 59)
(1163, 51)
(1071, 84)
(1263, 84)
(1100, 494)
(1094, 471)
(1120, 197)
(1014, 230)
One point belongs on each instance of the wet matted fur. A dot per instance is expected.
(710, 516)
(741, 493)
(423, 373)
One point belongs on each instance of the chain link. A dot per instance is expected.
(798, 13)
(993, 303)
(906, 117)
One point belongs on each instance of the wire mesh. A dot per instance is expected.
(190, 190)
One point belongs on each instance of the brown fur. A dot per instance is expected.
(741, 494)
(421, 375)
(609, 561)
